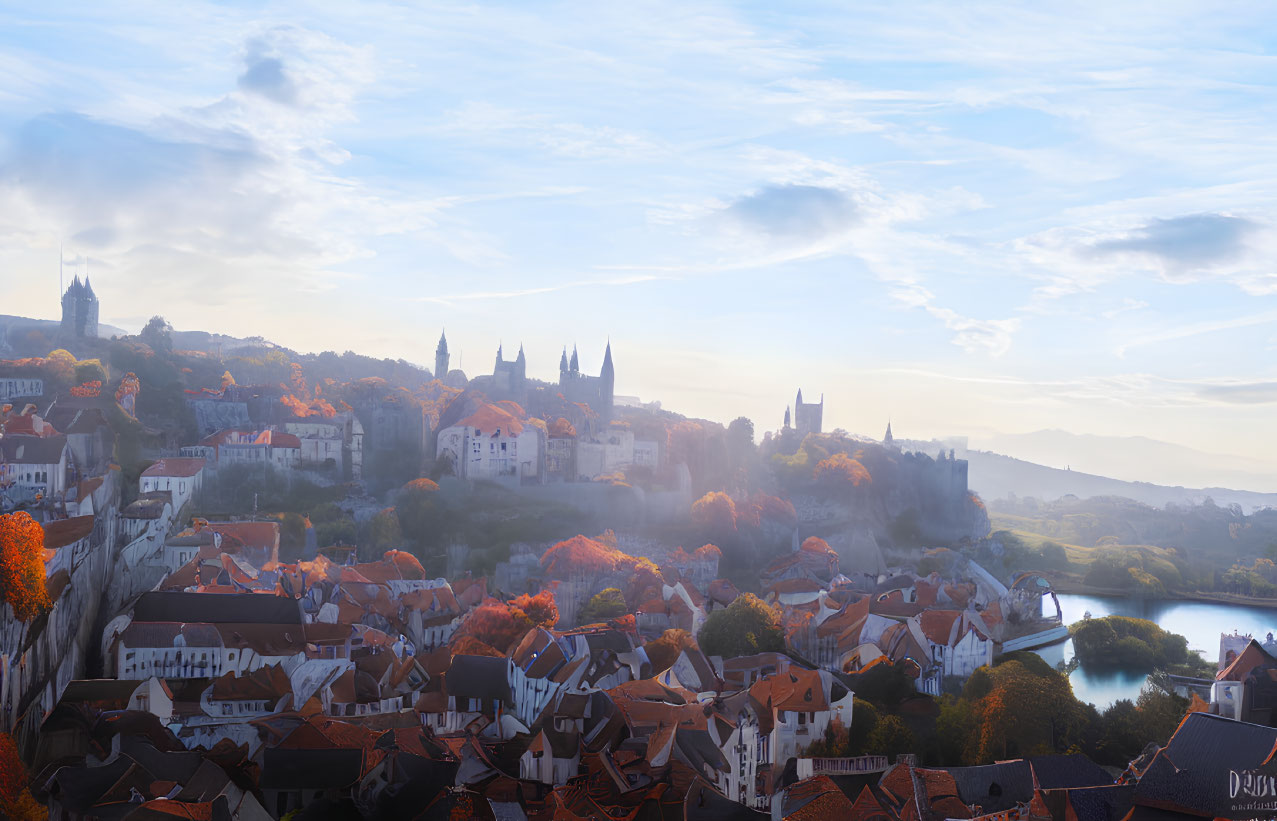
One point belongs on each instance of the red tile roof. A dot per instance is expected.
(490, 418)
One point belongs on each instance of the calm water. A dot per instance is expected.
(1199, 622)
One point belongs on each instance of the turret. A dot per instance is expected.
(498, 356)
(441, 357)
(786, 418)
(607, 375)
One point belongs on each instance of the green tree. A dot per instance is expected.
(90, 370)
(384, 532)
(292, 537)
(158, 334)
(604, 605)
(891, 737)
(745, 627)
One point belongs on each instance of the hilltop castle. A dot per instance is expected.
(808, 417)
(596, 391)
(510, 378)
(79, 310)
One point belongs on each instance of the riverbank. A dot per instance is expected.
(1073, 586)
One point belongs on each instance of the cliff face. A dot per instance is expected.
(910, 498)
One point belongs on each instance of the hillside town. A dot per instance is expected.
(500, 598)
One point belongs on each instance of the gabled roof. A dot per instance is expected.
(215, 608)
(1189, 774)
(994, 787)
(1248, 659)
(32, 450)
(62, 532)
(1076, 770)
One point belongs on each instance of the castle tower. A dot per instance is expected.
(441, 358)
(808, 416)
(563, 362)
(786, 417)
(79, 310)
(607, 376)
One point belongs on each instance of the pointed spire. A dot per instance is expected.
(607, 359)
(888, 440)
(786, 416)
(443, 341)
(563, 360)
(520, 357)
(799, 401)
(576, 361)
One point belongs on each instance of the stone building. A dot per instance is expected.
(599, 392)
(79, 310)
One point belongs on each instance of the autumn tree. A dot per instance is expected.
(539, 610)
(715, 514)
(840, 472)
(16, 801)
(22, 565)
(604, 605)
(495, 624)
(746, 626)
(60, 364)
(90, 370)
(663, 652)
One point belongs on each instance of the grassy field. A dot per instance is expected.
(1032, 532)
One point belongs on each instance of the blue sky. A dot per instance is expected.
(967, 219)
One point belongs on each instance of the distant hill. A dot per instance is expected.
(1133, 459)
(12, 326)
(995, 476)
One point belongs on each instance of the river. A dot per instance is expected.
(1200, 622)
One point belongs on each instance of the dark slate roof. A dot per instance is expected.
(995, 787)
(482, 677)
(290, 769)
(77, 789)
(704, 803)
(1055, 772)
(32, 450)
(1102, 803)
(219, 608)
(1190, 774)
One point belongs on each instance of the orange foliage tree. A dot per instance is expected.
(540, 610)
(663, 652)
(22, 565)
(840, 470)
(715, 512)
(16, 801)
(88, 389)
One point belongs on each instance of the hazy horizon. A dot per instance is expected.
(973, 221)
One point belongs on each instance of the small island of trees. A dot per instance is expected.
(1129, 644)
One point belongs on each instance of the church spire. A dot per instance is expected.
(888, 440)
(608, 370)
(563, 360)
(520, 357)
(576, 362)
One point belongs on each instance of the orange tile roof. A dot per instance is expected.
(490, 418)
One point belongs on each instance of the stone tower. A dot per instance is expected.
(441, 358)
(607, 388)
(79, 310)
(808, 416)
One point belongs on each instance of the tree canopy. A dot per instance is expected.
(745, 627)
